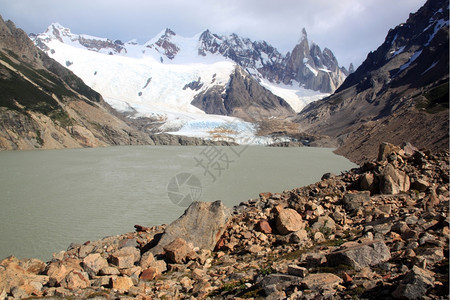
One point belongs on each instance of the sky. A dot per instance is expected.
(350, 28)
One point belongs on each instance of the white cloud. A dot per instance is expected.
(350, 28)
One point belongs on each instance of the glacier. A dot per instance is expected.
(142, 81)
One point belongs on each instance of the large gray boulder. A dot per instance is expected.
(415, 284)
(359, 256)
(202, 224)
(393, 181)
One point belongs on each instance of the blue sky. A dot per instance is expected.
(350, 28)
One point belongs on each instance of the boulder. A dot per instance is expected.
(93, 263)
(359, 256)
(387, 149)
(125, 258)
(146, 260)
(369, 182)
(415, 284)
(202, 224)
(420, 185)
(356, 200)
(289, 220)
(322, 281)
(150, 274)
(393, 181)
(325, 224)
(76, 280)
(177, 250)
(122, 284)
(109, 271)
(57, 271)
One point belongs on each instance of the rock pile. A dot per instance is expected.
(381, 230)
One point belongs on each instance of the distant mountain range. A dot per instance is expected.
(168, 83)
(228, 88)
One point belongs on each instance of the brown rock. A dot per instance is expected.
(347, 278)
(109, 271)
(263, 226)
(387, 149)
(198, 274)
(125, 257)
(420, 185)
(121, 283)
(57, 271)
(177, 250)
(140, 228)
(393, 181)
(265, 196)
(146, 260)
(324, 281)
(76, 280)
(150, 274)
(288, 220)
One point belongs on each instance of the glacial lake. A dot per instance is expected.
(51, 198)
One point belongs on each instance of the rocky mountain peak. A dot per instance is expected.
(304, 35)
(313, 68)
(165, 46)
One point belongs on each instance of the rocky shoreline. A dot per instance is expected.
(381, 230)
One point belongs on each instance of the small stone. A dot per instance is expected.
(186, 283)
(150, 274)
(128, 243)
(298, 236)
(263, 226)
(321, 281)
(121, 283)
(198, 274)
(319, 237)
(297, 271)
(347, 278)
(109, 271)
(254, 249)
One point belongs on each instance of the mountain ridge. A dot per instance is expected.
(398, 94)
(258, 57)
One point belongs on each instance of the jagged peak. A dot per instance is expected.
(304, 35)
(169, 32)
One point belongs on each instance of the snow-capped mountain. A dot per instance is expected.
(173, 80)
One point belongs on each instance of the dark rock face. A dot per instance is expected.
(401, 84)
(243, 98)
(170, 49)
